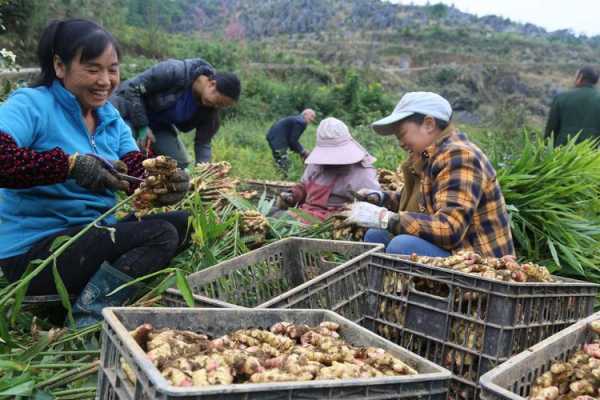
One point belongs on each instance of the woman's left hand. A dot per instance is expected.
(177, 186)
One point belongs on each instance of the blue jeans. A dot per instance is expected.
(404, 244)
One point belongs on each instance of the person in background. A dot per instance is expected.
(336, 168)
(452, 200)
(63, 151)
(285, 134)
(177, 95)
(576, 110)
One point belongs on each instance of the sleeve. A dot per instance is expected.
(204, 135)
(134, 160)
(457, 191)
(299, 192)
(368, 180)
(553, 123)
(21, 167)
(127, 143)
(156, 79)
(21, 118)
(294, 137)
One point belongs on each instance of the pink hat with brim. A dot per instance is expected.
(335, 145)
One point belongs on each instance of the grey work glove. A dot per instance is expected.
(177, 186)
(91, 173)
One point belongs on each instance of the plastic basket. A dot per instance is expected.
(430, 384)
(464, 323)
(513, 379)
(263, 274)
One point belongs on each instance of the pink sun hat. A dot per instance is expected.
(335, 145)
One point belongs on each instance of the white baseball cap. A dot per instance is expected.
(426, 103)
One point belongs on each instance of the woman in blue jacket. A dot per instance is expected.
(52, 182)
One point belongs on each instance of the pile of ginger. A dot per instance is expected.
(285, 353)
(578, 378)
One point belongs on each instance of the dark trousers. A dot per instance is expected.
(139, 248)
(169, 143)
(281, 158)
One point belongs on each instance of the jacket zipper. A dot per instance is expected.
(93, 142)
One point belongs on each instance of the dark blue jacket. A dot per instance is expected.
(286, 133)
(158, 88)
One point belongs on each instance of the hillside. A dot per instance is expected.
(481, 64)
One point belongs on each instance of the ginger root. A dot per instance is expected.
(284, 353)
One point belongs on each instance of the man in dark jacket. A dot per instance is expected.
(576, 110)
(176, 95)
(285, 134)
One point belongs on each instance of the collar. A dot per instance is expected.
(439, 142)
(106, 113)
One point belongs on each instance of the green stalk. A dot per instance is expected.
(79, 334)
(74, 391)
(58, 378)
(70, 352)
(75, 377)
(59, 365)
(88, 395)
(55, 254)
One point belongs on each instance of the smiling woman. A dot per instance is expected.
(56, 140)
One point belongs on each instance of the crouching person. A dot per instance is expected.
(63, 152)
(451, 200)
(336, 168)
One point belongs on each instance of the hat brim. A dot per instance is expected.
(385, 126)
(348, 153)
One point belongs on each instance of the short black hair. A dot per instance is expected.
(588, 74)
(67, 37)
(418, 119)
(228, 84)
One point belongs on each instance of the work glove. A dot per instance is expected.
(95, 175)
(370, 195)
(285, 200)
(177, 185)
(367, 215)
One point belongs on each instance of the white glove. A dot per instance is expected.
(370, 195)
(368, 215)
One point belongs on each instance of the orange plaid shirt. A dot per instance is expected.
(460, 200)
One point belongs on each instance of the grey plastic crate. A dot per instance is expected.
(263, 274)
(475, 326)
(513, 379)
(430, 384)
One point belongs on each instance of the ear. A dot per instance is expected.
(59, 67)
(429, 124)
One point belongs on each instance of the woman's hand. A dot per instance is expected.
(91, 173)
(367, 215)
(177, 186)
(370, 195)
(285, 200)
